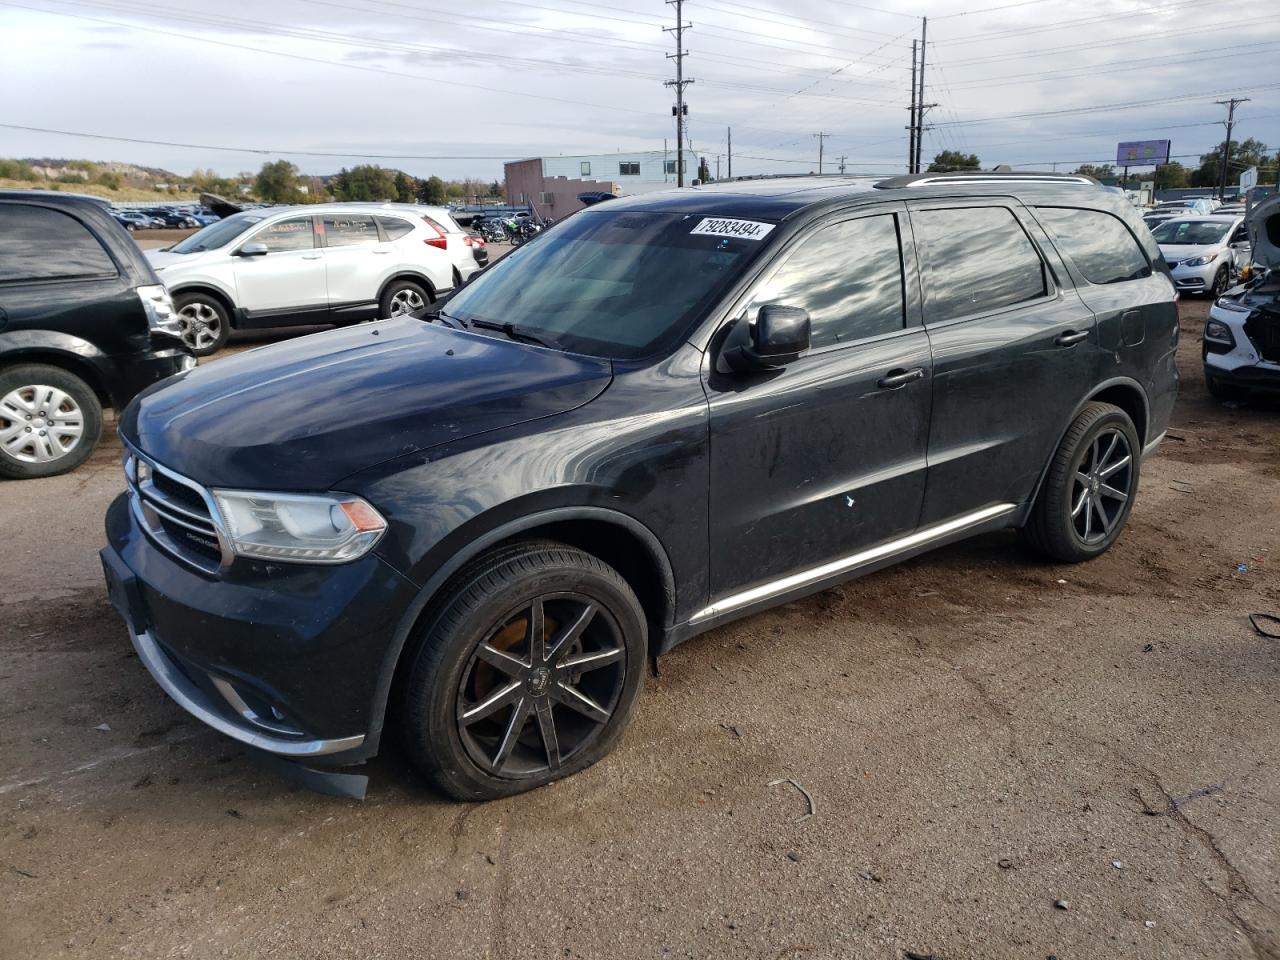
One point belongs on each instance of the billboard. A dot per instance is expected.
(1142, 153)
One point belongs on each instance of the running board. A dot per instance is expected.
(849, 564)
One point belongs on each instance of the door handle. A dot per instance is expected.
(900, 378)
(311, 256)
(1071, 337)
(376, 250)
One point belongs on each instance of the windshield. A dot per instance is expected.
(1191, 233)
(216, 234)
(621, 284)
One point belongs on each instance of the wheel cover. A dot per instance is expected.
(407, 302)
(541, 686)
(199, 325)
(39, 424)
(1101, 486)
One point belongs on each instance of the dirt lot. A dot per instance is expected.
(982, 735)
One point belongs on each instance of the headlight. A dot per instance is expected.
(1199, 261)
(299, 527)
(1216, 330)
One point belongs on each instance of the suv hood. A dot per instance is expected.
(159, 259)
(1264, 232)
(304, 414)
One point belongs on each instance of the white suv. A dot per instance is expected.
(324, 263)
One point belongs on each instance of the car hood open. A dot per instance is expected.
(1264, 232)
(304, 414)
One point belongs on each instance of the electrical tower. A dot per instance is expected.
(680, 110)
(1226, 150)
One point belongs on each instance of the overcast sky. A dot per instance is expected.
(493, 79)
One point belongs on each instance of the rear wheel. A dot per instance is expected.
(403, 298)
(50, 421)
(202, 322)
(526, 672)
(1089, 489)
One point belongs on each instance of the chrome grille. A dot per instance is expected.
(176, 513)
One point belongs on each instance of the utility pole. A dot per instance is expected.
(717, 166)
(729, 134)
(911, 145)
(822, 137)
(1226, 152)
(921, 106)
(679, 83)
(843, 158)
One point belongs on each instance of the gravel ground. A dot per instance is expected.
(983, 735)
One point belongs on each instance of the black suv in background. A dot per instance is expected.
(84, 324)
(664, 413)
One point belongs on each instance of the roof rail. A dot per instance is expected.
(984, 177)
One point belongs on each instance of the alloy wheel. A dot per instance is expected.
(39, 424)
(541, 686)
(407, 302)
(199, 325)
(1102, 486)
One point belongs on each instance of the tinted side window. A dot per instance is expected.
(294, 234)
(848, 276)
(349, 229)
(37, 243)
(395, 228)
(980, 259)
(1099, 244)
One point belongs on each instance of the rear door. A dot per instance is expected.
(287, 285)
(825, 456)
(354, 260)
(1014, 348)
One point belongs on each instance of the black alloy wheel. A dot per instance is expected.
(1101, 486)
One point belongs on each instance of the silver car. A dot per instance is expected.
(1205, 253)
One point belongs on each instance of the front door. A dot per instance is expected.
(287, 284)
(1014, 350)
(826, 456)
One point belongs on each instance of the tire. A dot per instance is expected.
(1221, 283)
(403, 298)
(454, 734)
(202, 322)
(34, 445)
(1222, 391)
(1089, 488)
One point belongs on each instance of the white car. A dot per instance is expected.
(1204, 253)
(324, 263)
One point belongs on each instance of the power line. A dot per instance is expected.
(1006, 6)
(1071, 22)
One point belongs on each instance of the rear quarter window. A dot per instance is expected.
(395, 228)
(1099, 244)
(37, 243)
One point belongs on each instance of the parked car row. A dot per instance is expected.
(164, 217)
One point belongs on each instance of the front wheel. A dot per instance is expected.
(1221, 282)
(1089, 488)
(50, 421)
(526, 672)
(203, 323)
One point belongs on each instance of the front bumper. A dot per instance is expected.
(287, 659)
(1195, 279)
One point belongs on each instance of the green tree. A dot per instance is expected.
(406, 187)
(1100, 171)
(277, 182)
(1170, 176)
(1244, 154)
(949, 160)
(432, 191)
(495, 189)
(17, 170)
(364, 182)
(109, 180)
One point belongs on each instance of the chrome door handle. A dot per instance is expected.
(1071, 337)
(311, 256)
(376, 250)
(900, 378)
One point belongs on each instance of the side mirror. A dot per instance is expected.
(778, 337)
(253, 249)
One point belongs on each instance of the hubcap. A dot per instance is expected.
(541, 686)
(199, 325)
(39, 424)
(1102, 487)
(407, 302)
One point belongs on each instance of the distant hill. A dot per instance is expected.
(110, 179)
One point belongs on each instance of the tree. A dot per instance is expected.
(432, 191)
(1101, 171)
(277, 182)
(1170, 176)
(406, 187)
(495, 189)
(109, 180)
(1244, 154)
(949, 160)
(364, 182)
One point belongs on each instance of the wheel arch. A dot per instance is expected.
(73, 361)
(209, 289)
(620, 540)
(415, 276)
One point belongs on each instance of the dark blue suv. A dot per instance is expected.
(664, 413)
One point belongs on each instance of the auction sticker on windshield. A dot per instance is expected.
(742, 229)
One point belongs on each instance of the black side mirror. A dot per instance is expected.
(778, 337)
(253, 249)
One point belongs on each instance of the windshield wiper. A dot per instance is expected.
(449, 320)
(515, 333)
